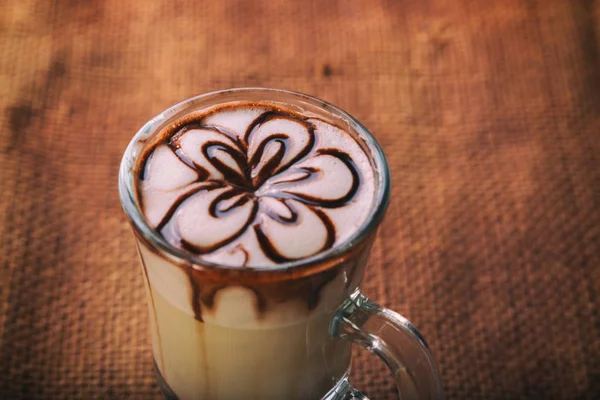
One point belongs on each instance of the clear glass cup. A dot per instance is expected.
(220, 332)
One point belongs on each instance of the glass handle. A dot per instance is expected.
(395, 340)
(344, 391)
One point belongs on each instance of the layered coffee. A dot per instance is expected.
(245, 188)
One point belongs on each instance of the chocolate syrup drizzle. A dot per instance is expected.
(242, 182)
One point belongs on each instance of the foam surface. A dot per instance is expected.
(256, 186)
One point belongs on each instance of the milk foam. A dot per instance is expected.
(256, 186)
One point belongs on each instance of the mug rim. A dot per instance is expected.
(321, 260)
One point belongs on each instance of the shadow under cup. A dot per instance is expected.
(220, 332)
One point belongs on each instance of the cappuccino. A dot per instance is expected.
(244, 188)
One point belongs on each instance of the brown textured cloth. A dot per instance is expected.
(489, 113)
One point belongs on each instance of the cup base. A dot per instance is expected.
(164, 387)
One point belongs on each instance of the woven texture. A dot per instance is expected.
(488, 111)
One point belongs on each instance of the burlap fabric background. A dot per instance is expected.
(489, 113)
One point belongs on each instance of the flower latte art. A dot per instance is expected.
(252, 184)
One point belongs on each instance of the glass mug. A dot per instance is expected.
(285, 332)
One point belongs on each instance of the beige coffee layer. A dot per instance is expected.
(205, 361)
